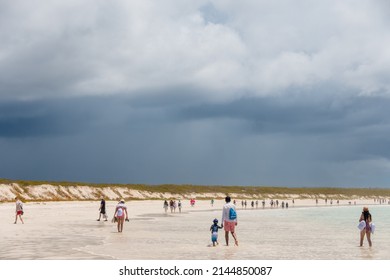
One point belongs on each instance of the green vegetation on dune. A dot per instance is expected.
(262, 191)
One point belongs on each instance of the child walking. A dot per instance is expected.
(214, 232)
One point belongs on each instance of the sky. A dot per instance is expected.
(255, 93)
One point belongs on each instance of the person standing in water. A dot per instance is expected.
(367, 218)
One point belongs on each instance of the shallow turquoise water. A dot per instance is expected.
(70, 231)
(307, 233)
(325, 233)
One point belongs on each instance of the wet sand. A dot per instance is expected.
(69, 230)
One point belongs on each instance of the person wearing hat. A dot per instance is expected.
(214, 232)
(120, 212)
(366, 230)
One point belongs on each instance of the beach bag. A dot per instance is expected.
(361, 225)
(372, 225)
(232, 214)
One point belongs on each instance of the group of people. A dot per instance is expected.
(228, 221)
(172, 205)
(272, 203)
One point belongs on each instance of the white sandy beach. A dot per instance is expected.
(69, 230)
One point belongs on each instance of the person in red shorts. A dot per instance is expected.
(229, 220)
(19, 210)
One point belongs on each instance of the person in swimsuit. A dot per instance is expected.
(120, 212)
(214, 232)
(367, 218)
(19, 210)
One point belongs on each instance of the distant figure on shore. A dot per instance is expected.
(212, 202)
(366, 226)
(229, 220)
(120, 212)
(171, 205)
(192, 202)
(102, 210)
(19, 210)
(214, 232)
(165, 206)
(179, 205)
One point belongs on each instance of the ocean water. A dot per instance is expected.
(70, 231)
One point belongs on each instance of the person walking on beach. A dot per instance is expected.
(214, 232)
(19, 210)
(165, 206)
(367, 218)
(120, 212)
(102, 210)
(179, 205)
(171, 205)
(229, 220)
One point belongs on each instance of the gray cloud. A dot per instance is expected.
(202, 92)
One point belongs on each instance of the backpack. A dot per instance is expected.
(232, 214)
(119, 212)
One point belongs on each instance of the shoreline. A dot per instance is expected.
(44, 192)
(77, 235)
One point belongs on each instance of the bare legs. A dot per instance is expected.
(20, 217)
(227, 238)
(120, 223)
(362, 234)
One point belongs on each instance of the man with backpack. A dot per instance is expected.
(229, 220)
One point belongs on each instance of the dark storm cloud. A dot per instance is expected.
(331, 115)
(209, 92)
(44, 118)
